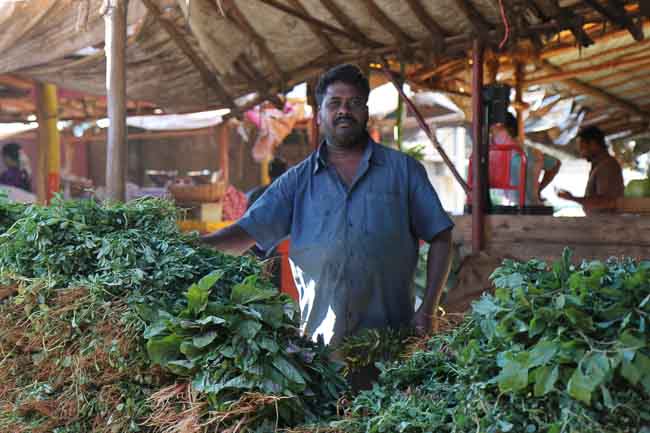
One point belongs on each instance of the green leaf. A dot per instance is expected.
(211, 320)
(248, 329)
(545, 378)
(607, 398)
(513, 376)
(190, 350)
(209, 280)
(197, 299)
(630, 371)
(269, 345)
(248, 291)
(155, 329)
(288, 370)
(205, 339)
(542, 353)
(165, 349)
(580, 386)
(596, 366)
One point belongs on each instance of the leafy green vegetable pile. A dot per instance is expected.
(556, 349)
(103, 334)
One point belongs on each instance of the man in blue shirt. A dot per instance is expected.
(355, 212)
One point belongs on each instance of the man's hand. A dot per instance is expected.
(566, 195)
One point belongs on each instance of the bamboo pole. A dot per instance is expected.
(117, 146)
(49, 142)
(224, 150)
(480, 189)
(423, 125)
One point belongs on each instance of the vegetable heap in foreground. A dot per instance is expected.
(556, 349)
(100, 333)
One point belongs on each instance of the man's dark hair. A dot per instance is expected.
(277, 167)
(11, 151)
(346, 73)
(594, 134)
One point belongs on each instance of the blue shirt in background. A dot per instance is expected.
(353, 251)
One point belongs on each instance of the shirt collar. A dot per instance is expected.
(372, 153)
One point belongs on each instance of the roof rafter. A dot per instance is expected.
(437, 33)
(588, 89)
(476, 20)
(320, 34)
(568, 20)
(210, 79)
(256, 79)
(239, 19)
(363, 41)
(384, 20)
(343, 19)
(614, 10)
(612, 64)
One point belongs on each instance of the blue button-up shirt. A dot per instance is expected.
(353, 250)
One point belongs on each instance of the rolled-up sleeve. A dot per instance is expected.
(268, 221)
(427, 216)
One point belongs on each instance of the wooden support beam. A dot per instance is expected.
(622, 76)
(317, 31)
(596, 92)
(611, 65)
(644, 6)
(256, 80)
(437, 33)
(363, 41)
(210, 79)
(480, 188)
(384, 21)
(223, 141)
(425, 128)
(479, 25)
(614, 10)
(346, 22)
(241, 22)
(49, 143)
(568, 20)
(117, 145)
(624, 51)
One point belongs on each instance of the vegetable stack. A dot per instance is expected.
(100, 333)
(556, 349)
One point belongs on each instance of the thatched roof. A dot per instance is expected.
(196, 54)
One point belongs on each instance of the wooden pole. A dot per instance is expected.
(117, 150)
(519, 100)
(423, 125)
(49, 143)
(313, 125)
(400, 110)
(224, 150)
(480, 151)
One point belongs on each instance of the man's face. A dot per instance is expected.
(343, 114)
(588, 149)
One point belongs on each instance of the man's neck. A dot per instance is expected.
(598, 158)
(335, 149)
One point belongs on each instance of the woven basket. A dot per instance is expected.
(207, 193)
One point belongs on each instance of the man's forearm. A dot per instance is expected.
(438, 267)
(232, 240)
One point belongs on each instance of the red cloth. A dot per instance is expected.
(234, 204)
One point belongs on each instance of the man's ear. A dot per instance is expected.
(317, 114)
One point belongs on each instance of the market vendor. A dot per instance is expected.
(15, 174)
(355, 212)
(605, 182)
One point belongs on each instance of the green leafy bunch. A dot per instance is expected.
(371, 346)
(556, 349)
(9, 212)
(248, 343)
(118, 247)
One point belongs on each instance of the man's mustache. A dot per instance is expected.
(344, 118)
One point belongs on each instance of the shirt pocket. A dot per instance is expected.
(384, 214)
